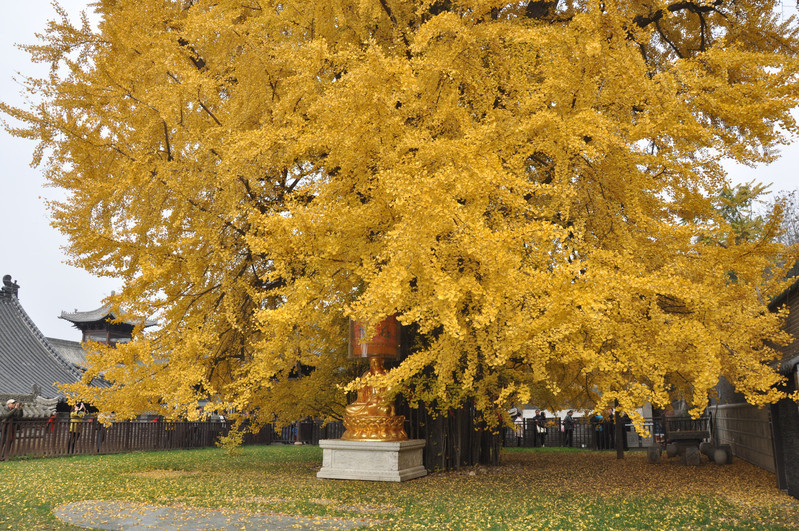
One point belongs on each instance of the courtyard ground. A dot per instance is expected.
(276, 486)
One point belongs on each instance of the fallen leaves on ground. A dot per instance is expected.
(531, 489)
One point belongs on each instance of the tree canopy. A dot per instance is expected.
(531, 187)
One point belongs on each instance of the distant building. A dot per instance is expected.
(101, 325)
(96, 325)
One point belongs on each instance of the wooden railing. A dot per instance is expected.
(51, 437)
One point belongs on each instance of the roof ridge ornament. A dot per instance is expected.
(10, 288)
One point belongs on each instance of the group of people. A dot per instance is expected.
(13, 411)
(601, 434)
(541, 426)
(88, 431)
(604, 428)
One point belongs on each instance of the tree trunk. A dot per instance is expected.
(454, 439)
(620, 434)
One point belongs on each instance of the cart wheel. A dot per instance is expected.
(654, 452)
(707, 449)
(723, 455)
(672, 449)
(692, 456)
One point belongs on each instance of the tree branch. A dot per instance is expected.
(642, 21)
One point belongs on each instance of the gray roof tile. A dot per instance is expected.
(26, 357)
(72, 351)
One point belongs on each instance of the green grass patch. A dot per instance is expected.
(531, 489)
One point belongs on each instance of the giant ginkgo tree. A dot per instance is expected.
(530, 187)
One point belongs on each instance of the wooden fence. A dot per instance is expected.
(51, 437)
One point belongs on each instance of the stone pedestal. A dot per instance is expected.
(372, 460)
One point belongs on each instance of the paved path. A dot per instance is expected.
(129, 516)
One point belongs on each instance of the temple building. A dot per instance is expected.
(101, 325)
(30, 366)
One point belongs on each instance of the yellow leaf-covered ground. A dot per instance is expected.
(531, 489)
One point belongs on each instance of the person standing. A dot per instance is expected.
(100, 428)
(9, 415)
(625, 421)
(75, 420)
(568, 429)
(596, 423)
(609, 430)
(540, 421)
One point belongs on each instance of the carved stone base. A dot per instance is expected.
(372, 460)
(374, 428)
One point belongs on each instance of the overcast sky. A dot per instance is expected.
(31, 250)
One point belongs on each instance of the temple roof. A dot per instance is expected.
(28, 362)
(88, 317)
(785, 297)
(100, 314)
(790, 352)
(72, 351)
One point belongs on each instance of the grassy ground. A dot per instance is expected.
(532, 489)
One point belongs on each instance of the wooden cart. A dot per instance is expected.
(689, 438)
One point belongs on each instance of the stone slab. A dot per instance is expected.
(117, 515)
(372, 460)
